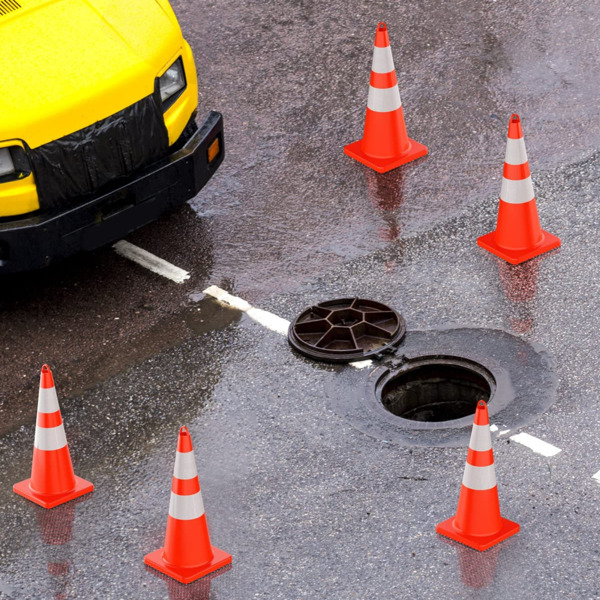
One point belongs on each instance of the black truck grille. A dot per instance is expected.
(75, 167)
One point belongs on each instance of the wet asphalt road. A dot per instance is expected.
(307, 504)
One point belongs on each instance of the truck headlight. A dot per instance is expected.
(14, 164)
(7, 166)
(172, 84)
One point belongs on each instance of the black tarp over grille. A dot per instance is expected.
(81, 163)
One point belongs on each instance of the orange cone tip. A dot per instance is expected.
(184, 441)
(478, 523)
(187, 554)
(385, 144)
(52, 480)
(481, 414)
(46, 379)
(382, 39)
(518, 236)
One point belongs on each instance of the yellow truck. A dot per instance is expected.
(98, 132)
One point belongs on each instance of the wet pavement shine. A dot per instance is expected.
(306, 502)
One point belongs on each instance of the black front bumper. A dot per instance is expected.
(38, 241)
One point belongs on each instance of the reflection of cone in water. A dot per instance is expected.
(187, 554)
(519, 283)
(385, 144)
(477, 569)
(52, 481)
(59, 568)
(386, 193)
(56, 527)
(518, 236)
(521, 325)
(478, 522)
(197, 590)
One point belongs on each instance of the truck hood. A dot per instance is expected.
(66, 64)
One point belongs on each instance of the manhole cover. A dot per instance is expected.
(346, 330)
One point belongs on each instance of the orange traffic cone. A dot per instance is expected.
(385, 144)
(52, 480)
(187, 554)
(518, 236)
(478, 523)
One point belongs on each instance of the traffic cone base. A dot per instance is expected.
(516, 257)
(50, 501)
(187, 575)
(383, 165)
(479, 542)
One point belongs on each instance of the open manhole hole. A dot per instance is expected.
(346, 329)
(436, 389)
(426, 391)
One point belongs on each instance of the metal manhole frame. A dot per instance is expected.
(526, 385)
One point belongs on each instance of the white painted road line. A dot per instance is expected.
(226, 298)
(535, 444)
(494, 428)
(596, 476)
(269, 320)
(361, 364)
(150, 261)
(264, 318)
